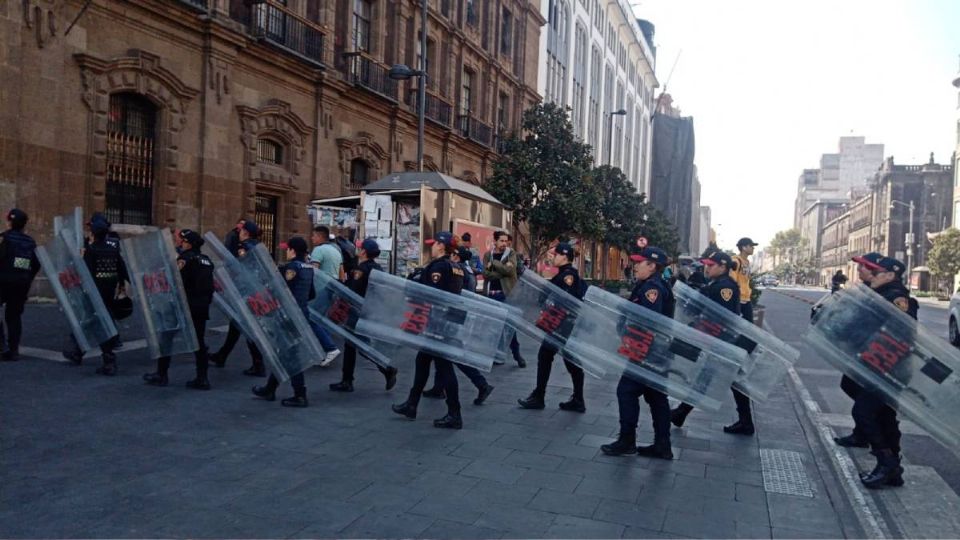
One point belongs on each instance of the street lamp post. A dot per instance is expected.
(401, 72)
(621, 112)
(909, 238)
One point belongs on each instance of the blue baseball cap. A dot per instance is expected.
(717, 257)
(563, 248)
(443, 237)
(890, 264)
(654, 254)
(371, 247)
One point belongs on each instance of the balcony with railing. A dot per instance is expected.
(475, 130)
(199, 5)
(436, 109)
(367, 73)
(282, 28)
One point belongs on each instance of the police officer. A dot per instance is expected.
(357, 280)
(443, 274)
(652, 293)
(876, 419)
(196, 271)
(857, 439)
(298, 274)
(18, 267)
(110, 276)
(568, 279)
(723, 290)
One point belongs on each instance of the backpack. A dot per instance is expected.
(348, 253)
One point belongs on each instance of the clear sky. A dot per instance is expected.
(772, 84)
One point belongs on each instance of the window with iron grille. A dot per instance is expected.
(266, 218)
(270, 152)
(361, 25)
(359, 172)
(131, 134)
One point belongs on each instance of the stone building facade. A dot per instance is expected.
(191, 113)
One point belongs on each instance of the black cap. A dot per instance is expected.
(191, 236)
(443, 237)
(464, 254)
(466, 237)
(297, 244)
(563, 248)
(251, 227)
(869, 260)
(890, 264)
(654, 254)
(746, 242)
(17, 217)
(717, 257)
(371, 247)
(99, 224)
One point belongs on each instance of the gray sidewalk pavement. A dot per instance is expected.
(87, 456)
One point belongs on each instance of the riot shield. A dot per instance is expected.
(227, 299)
(823, 301)
(887, 352)
(287, 342)
(411, 314)
(70, 279)
(72, 223)
(769, 358)
(152, 265)
(664, 354)
(338, 308)
(549, 315)
(509, 330)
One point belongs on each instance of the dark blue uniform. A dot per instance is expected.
(298, 274)
(357, 280)
(18, 267)
(219, 358)
(568, 279)
(655, 295)
(443, 274)
(109, 271)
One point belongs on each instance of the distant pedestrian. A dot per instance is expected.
(741, 274)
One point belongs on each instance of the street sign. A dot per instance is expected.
(642, 242)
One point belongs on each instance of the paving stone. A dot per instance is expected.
(387, 525)
(576, 527)
(751, 493)
(696, 525)
(570, 450)
(489, 492)
(534, 460)
(455, 531)
(492, 470)
(746, 530)
(740, 476)
(783, 532)
(551, 480)
(515, 519)
(635, 532)
(634, 515)
(521, 442)
(564, 503)
(621, 488)
(721, 489)
(436, 482)
(380, 496)
(447, 508)
(482, 451)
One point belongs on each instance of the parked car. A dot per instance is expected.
(769, 280)
(954, 314)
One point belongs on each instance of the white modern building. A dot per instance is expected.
(597, 58)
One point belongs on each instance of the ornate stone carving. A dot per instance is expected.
(218, 75)
(44, 18)
(277, 122)
(361, 147)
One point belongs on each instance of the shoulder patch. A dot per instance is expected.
(435, 277)
(181, 263)
(568, 280)
(902, 303)
(456, 271)
(290, 274)
(652, 295)
(726, 294)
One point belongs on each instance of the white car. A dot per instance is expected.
(954, 312)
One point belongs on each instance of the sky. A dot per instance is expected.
(773, 84)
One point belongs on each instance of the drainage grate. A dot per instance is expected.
(783, 472)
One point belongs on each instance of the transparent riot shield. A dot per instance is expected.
(152, 265)
(664, 354)
(549, 315)
(411, 314)
(884, 350)
(227, 299)
(287, 343)
(823, 301)
(70, 279)
(514, 315)
(72, 223)
(769, 358)
(338, 308)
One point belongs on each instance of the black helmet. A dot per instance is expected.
(121, 307)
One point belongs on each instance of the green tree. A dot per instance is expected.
(787, 245)
(944, 257)
(543, 176)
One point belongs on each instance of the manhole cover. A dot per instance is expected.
(783, 472)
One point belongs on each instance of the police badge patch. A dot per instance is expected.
(902, 303)
(652, 296)
(357, 274)
(181, 263)
(435, 277)
(290, 274)
(568, 280)
(726, 294)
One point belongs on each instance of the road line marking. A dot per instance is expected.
(56, 356)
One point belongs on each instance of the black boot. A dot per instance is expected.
(679, 415)
(521, 363)
(299, 399)
(450, 421)
(533, 401)
(109, 366)
(256, 370)
(483, 394)
(658, 450)
(436, 393)
(852, 440)
(391, 376)
(888, 471)
(10, 355)
(75, 357)
(218, 359)
(342, 386)
(624, 445)
(575, 404)
(265, 392)
(200, 383)
(739, 428)
(405, 409)
(155, 379)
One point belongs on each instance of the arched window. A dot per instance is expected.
(359, 172)
(131, 134)
(269, 152)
